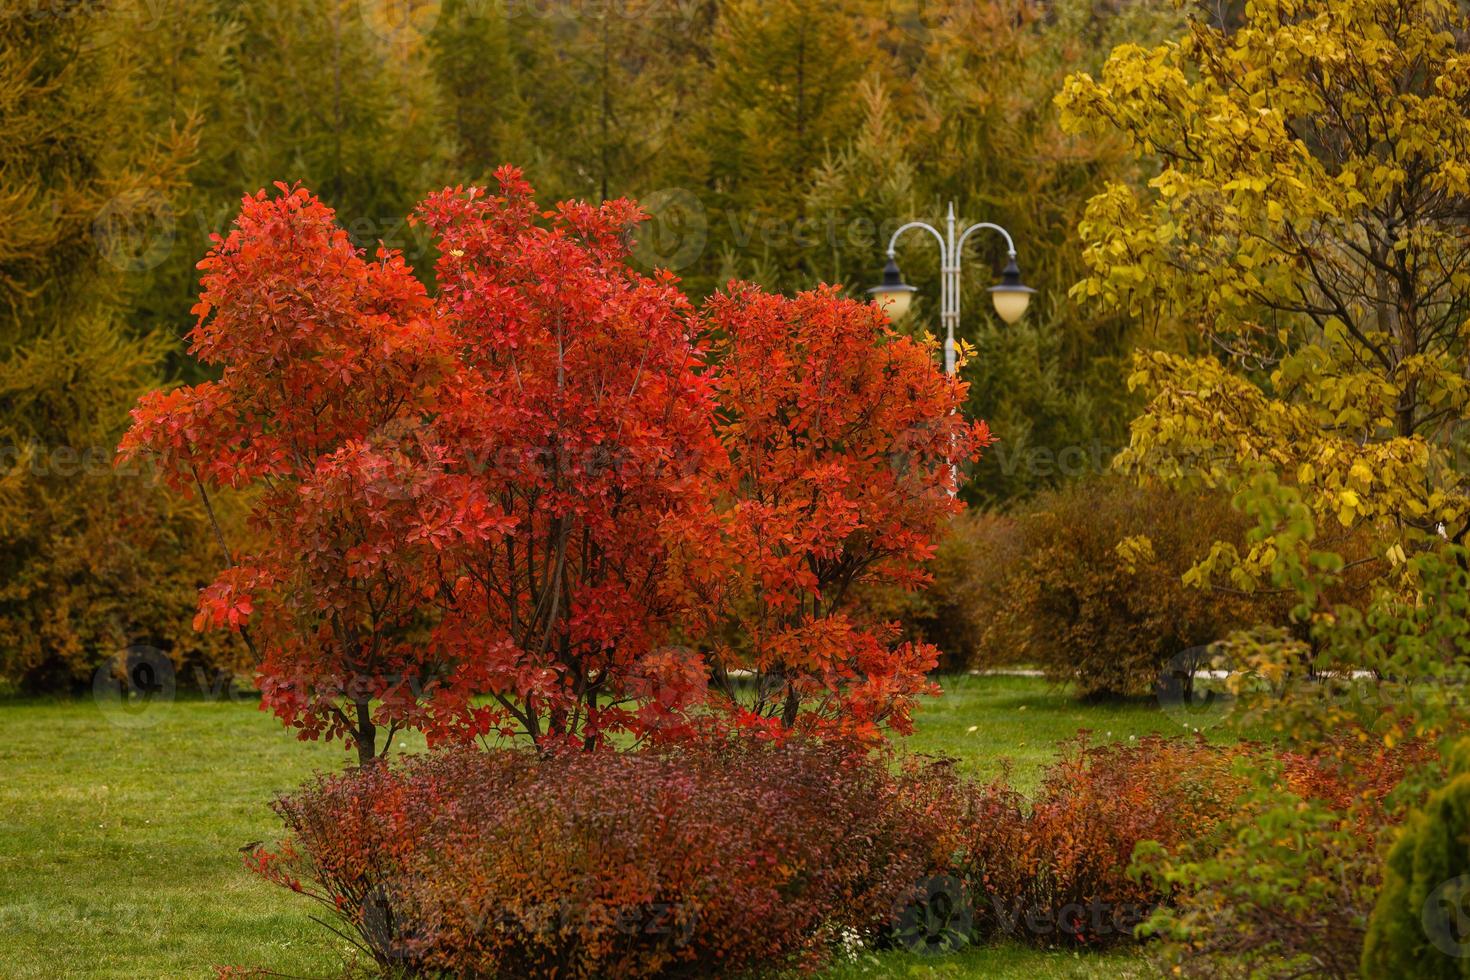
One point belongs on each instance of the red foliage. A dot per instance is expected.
(328, 364)
(1353, 772)
(1058, 874)
(577, 409)
(840, 436)
(715, 858)
(520, 485)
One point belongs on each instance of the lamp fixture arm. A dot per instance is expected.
(1010, 243)
(943, 246)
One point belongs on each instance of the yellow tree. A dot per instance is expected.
(1308, 227)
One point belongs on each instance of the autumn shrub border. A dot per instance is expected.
(721, 856)
(733, 853)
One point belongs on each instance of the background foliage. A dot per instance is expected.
(91, 559)
(773, 141)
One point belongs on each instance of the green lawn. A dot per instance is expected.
(119, 842)
(991, 721)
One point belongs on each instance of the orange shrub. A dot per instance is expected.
(1058, 874)
(739, 856)
(1354, 773)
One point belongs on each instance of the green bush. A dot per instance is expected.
(1418, 927)
(1357, 702)
(1283, 887)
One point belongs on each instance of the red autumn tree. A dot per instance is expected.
(579, 409)
(841, 441)
(494, 509)
(329, 367)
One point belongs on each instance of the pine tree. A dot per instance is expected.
(783, 95)
(861, 190)
(337, 95)
(187, 78)
(610, 88)
(482, 105)
(90, 558)
(336, 98)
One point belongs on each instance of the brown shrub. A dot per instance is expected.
(1050, 587)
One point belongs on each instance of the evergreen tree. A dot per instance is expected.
(482, 105)
(783, 95)
(988, 135)
(186, 77)
(860, 191)
(611, 88)
(333, 100)
(91, 559)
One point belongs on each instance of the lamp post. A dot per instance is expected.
(1011, 297)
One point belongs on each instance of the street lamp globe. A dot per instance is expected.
(1011, 297)
(893, 296)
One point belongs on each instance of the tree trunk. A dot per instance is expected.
(367, 735)
(793, 704)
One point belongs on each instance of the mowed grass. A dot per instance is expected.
(120, 833)
(993, 723)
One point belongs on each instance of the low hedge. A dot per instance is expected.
(732, 856)
(714, 859)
